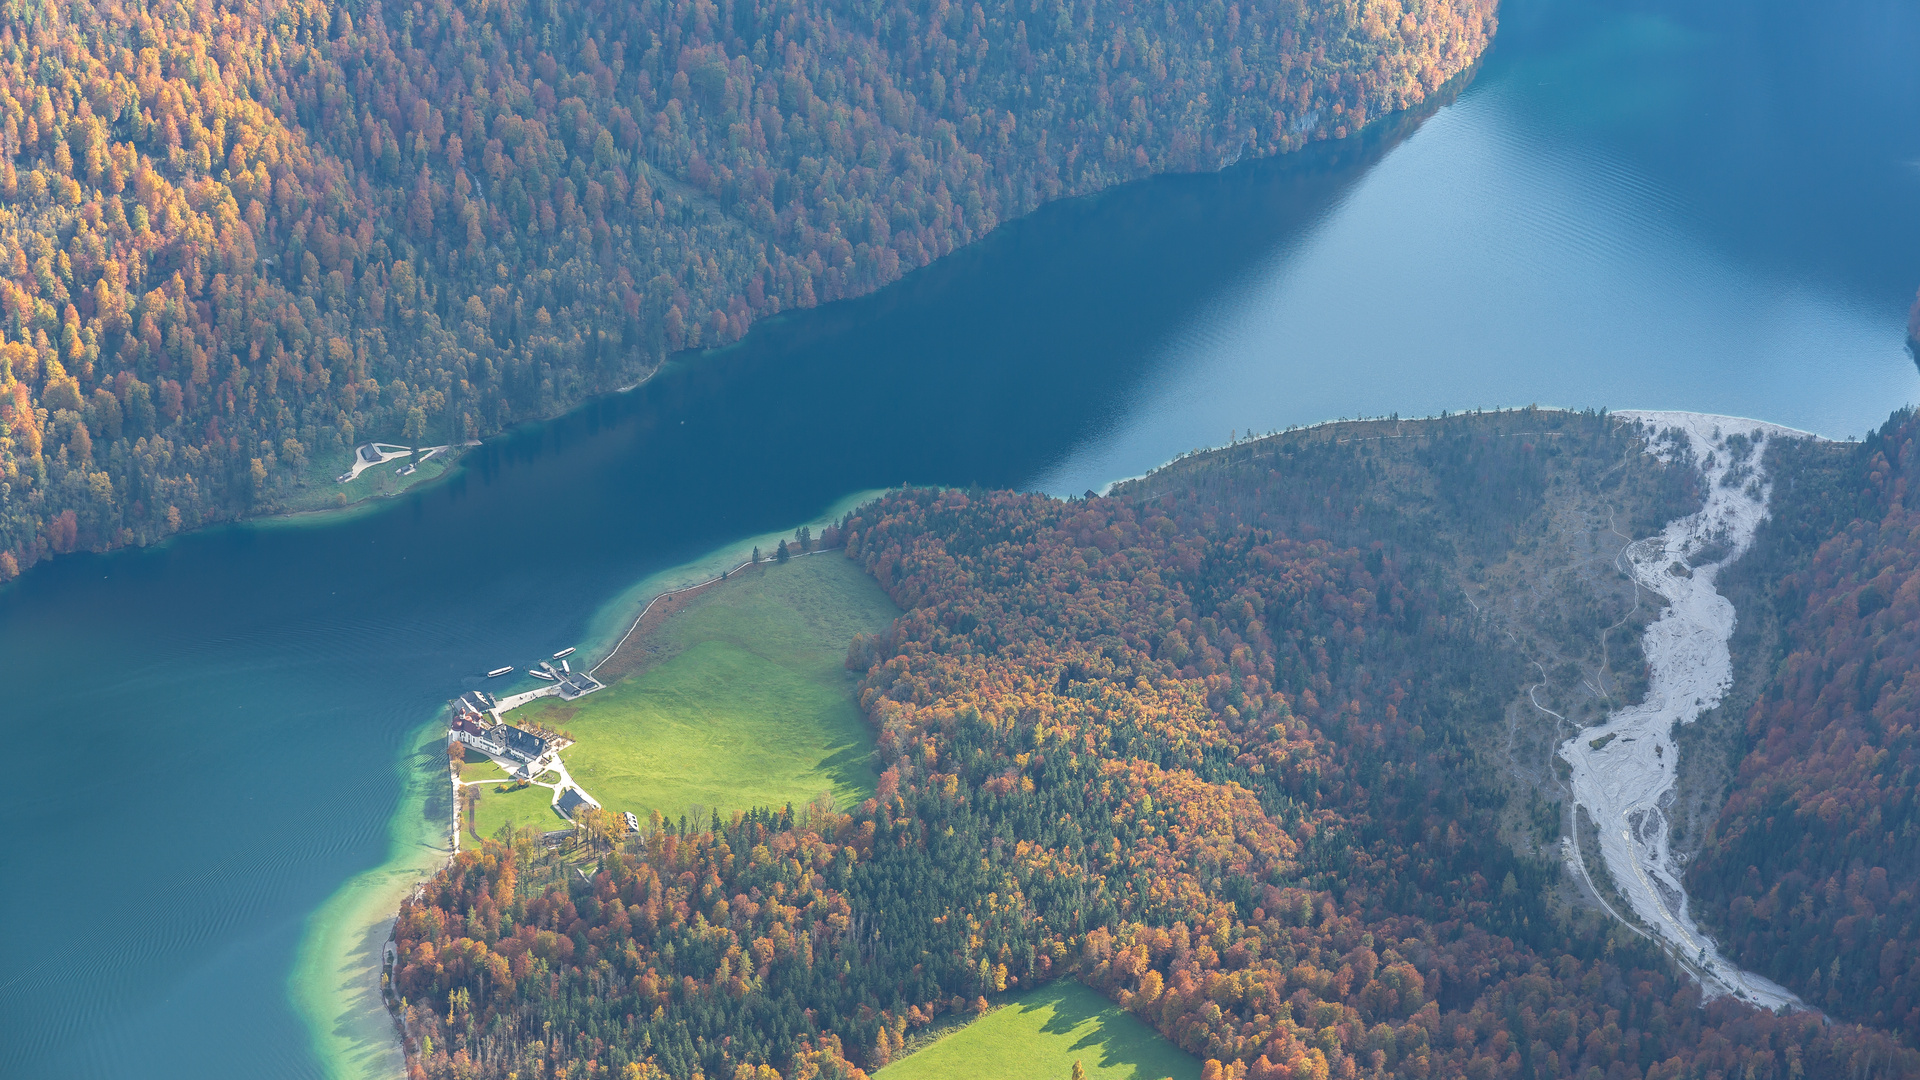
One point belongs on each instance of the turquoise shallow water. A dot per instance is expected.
(1703, 205)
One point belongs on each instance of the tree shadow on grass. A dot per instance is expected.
(1116, 1040)
(852, 768)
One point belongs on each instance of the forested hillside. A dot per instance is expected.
(1217, 744)
(236, 237)
(1812, 875)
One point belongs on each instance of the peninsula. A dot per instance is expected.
(1294, 749)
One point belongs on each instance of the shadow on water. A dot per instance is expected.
(286, 668)
(1796, 150)
(337, 973)
(362, 1036)
(985, 367)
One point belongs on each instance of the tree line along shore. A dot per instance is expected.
(1232, 746)
(238, 239)
(733, 693)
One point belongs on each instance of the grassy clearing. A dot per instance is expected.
(611, 621)
(1040, 1034)
(531, 805)
(742, 698)
(319, 490)
(481, 767)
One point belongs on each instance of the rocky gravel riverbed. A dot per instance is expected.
(1624, 770)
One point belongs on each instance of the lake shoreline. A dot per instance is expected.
(1413, 114)
(335, 985)
(337, 979)
(448, 460)
(1609, 214)
(1373, 422)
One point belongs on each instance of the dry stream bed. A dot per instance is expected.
(1624, 771)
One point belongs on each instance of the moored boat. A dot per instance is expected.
(568, 651)
(543, 675)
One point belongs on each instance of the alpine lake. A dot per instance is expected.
(224, 764)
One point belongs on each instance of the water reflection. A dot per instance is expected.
(233, 704)
(1617, 213)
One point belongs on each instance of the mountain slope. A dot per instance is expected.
(1812, 872)
(236, 238)
(1224, 745)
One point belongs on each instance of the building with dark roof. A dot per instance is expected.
(524, 745)
(571, 800)
(473, 730)
(575, 684)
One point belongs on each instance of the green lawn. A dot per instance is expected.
(531, 805)
(481, 767)
(1041, 1034)
(320, 490)
(748, 702)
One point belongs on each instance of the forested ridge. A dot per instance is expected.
(1812, 874)
(1215, 744)
(238, 236)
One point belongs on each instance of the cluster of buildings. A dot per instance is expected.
(570, 683)
(477, 725)
(525, 753)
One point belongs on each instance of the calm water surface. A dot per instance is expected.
(1706, 205)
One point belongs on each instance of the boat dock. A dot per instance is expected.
(574, 684)
(513, 701)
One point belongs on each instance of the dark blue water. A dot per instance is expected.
(1702, 205)
(1708, 205)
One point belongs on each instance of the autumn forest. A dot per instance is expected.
(1233, 744)
(237, 238)
(1226, 745)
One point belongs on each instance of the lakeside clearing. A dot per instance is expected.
(614, 619)
(335, 982)
(737, 696)
(1038, 1035)
(323, 493)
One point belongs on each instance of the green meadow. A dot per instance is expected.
(481, 767)
(743, 699)
(1038, 1035)
(530, 805)
(319, 490)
